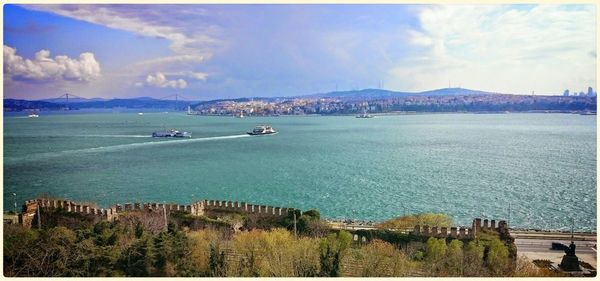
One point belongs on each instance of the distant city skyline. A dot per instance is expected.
(208, 52)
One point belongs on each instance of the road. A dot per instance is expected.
(536, 248)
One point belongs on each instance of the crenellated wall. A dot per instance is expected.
(197, 208)
(263, 210)
(460, 232)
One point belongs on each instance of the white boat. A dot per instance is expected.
(241, 115)
(262, 130)
(171, 134)
(33, 115)
(140, 113)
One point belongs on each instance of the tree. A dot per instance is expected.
(200, 244)
(381, 259)
(497, 258)
(217, 261)
(249, 244)
(473, 260)
(332, 250)
(435, 252)
(313, 214)
(137, 259)
(455, 258)
(17, 246)
(435, 249)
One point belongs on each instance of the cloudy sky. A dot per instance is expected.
(221, 51)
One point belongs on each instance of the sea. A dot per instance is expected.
(537, 171)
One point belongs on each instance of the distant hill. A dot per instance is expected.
(379, 93)
(77, 103)
(455, 92)
(148, 102)
(72, 100)
(20, 105)
(142, 102)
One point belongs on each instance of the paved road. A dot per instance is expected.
(540, 249)
(543, 245)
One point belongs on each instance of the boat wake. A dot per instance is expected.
(119, 147)
(114, 136)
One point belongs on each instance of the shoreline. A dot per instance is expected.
(393, 113)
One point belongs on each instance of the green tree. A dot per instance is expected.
(435, 252)
(332, 250)
(217, 261)
(473, 260)
(435, 249)
(455, 257)
(382, 259)
(137, 259)
(497, 258)
(313, 214)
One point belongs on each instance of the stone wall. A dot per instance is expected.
(198, 208)
(460, 232)
(263, 210)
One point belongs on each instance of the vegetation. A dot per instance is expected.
(135, 246)
(409, 222)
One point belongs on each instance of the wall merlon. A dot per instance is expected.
(443, 232)
(462, 233)
(453, 232)
(434, 231)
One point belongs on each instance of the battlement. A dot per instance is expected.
(197, 208)
(216, 205)
(461, 232)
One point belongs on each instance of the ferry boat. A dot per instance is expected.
(262, 130)
(33, 115)
(171, 134)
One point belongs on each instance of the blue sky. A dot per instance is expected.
(224, 51)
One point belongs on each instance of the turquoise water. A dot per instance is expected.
(466, 165)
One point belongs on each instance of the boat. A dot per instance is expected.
(140, 113)
(33, 115)
(262, 130)
(240, 115)
(364, 114)
(171, 134)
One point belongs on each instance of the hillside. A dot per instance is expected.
(380, 93)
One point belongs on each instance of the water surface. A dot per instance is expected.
(466, 165)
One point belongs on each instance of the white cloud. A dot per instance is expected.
(503, 48)
(176, 60)
(160, 80)
(146, 20)
(44, 68)
(200, 76)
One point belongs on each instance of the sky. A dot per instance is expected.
(204, 52)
